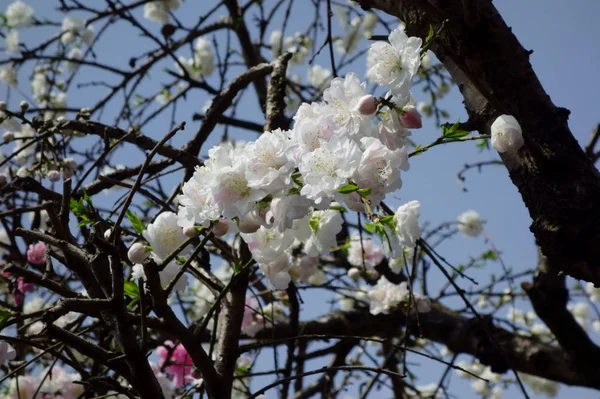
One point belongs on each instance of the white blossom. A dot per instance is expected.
(269, 168)
(366, 253)
(328, 168)
(507, 135)
(470, 223)
(12, 41)
(395, 63)
(406, 230)
(156, 11)
(323, 227)
(18, 14)
(318, 77)
(204, 57)
(75, 54)
(71, 27)
(137, 253)
(164, 235)
(385, 296)
(8, 75)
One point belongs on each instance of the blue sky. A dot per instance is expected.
(562, 34)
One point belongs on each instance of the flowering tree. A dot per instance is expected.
(183, 273)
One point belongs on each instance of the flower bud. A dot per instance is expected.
(367, 105)
(70, 163)
(137, 253)
(250, 223)
(53, 175)
(3, 179)
(24, 105)
(2, 106)
(221, 228)
(354, 273)
(8, 137)
(23, 171)
(190, 232)
(107, 234)
(507, 135)
(411, 119)
(67, 173)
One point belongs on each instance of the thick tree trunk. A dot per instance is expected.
(560, 186)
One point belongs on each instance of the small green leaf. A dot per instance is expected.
(5, 315)
(136, 222)
(339, 208)
(491, 255)
(348, 188)
(131, 289)
(387, 220)
(370, 227)
(430, 34)
(363, 192)
(314, 224)
(457, 134)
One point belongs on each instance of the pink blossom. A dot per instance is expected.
(24, 286)
(18, 297)
(36, 254)
(411, 119)
(179, 365)
(252, 322)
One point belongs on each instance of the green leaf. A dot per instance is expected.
(370, 227)
(387, 220)
(131, 289)
(135, 220)
(339, 208)
(87, 198)
(348, 188)
(430, 34)
(457, 134)
(363, 192)
(491, 255)
(77, 207)
(5, 315)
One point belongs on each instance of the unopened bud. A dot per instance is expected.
(107, 234)
(354, 273)
(70, 163)
(190, 232)
(53, 175)
(24, 106)
(411, 119)
(250, 223)
(221, 228)
(8, 137)
(367, 105)
(137, 253)
(3, 179)
(2, 106)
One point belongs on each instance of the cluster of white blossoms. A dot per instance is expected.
(283, 190)
(18, 15)
(53, 383)
(490, 385)
(386, 296)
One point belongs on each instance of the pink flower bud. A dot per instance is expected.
(24, 286)
(411, 119)
(137, 253)
(53, 175)
(8, 137)
(367, 105)
(221, 228)
(36, 254)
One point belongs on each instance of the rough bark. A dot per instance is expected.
(559, 185)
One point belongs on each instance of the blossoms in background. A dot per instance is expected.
(7, 352)
(470, 223)
(178, 362)
(18, 14)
